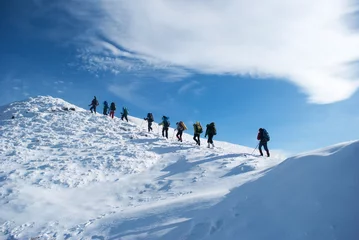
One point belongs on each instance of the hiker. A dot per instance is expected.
(263, 137)
(197, 132)
(166, 123)
(180, 128)
(149, 120)
(124, 114)
(112, 109)
(105, 108)
(210, 131)
(93, 105)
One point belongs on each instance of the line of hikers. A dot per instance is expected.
(181, 126)
(108, 110)
(211, 130)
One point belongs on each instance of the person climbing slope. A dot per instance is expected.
(210, 131)
(105, 108)
(180, 128)
(93, 104)
(166, 124)
(124, 114)
(112, 109)
(263, 138)
(197, 128)
(149, 120)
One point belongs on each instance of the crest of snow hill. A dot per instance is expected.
(68, 174)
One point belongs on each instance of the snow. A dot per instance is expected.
(76, 175)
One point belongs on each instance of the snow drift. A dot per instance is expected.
(75, 175)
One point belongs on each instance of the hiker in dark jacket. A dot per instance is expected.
(197, 132)
(93, 105)
(149, 120)
(124, 114)
(166, 123)
(210, 131)
(263, 138)
(112, 109)
(105, 108)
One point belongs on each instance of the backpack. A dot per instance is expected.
(94, 102)
(113, 106)
(105, 104)
(214, 128)
(184, 127)
(166, 122)
(150, 117)
(198, 128)
(266, 135)
(125, 111)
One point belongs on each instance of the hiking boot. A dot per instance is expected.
(209, 145)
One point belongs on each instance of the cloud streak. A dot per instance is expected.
(306, 43)
(129, 93)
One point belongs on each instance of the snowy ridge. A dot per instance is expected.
(76, 175)
(62, 171)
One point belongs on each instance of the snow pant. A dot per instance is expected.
(210, 138)
(149, 126)
(179, 135)
(105, 110)
(263, 143)
(124, 117)
(112, 114)
(93, 108)
(196, 138)
(165, 132)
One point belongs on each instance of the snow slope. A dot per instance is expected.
(75, 175)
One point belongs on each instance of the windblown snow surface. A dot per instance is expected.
(77, 175)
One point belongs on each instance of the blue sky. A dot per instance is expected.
(227, 62)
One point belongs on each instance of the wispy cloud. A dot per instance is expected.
(129, 93)
(187, 86)
(193, 86)
(306, 43)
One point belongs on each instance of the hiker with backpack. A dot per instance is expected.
(180, 128)
(93, 104)
(166, 124)
(210, 131)
(263, 138)
(149, 120)
(197, 132)
(105, 108)
(124, 114)
(112, 109)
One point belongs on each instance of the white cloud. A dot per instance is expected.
(302, 41)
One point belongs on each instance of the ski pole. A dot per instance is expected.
(255, 148)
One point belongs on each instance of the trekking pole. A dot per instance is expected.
(255, 148)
